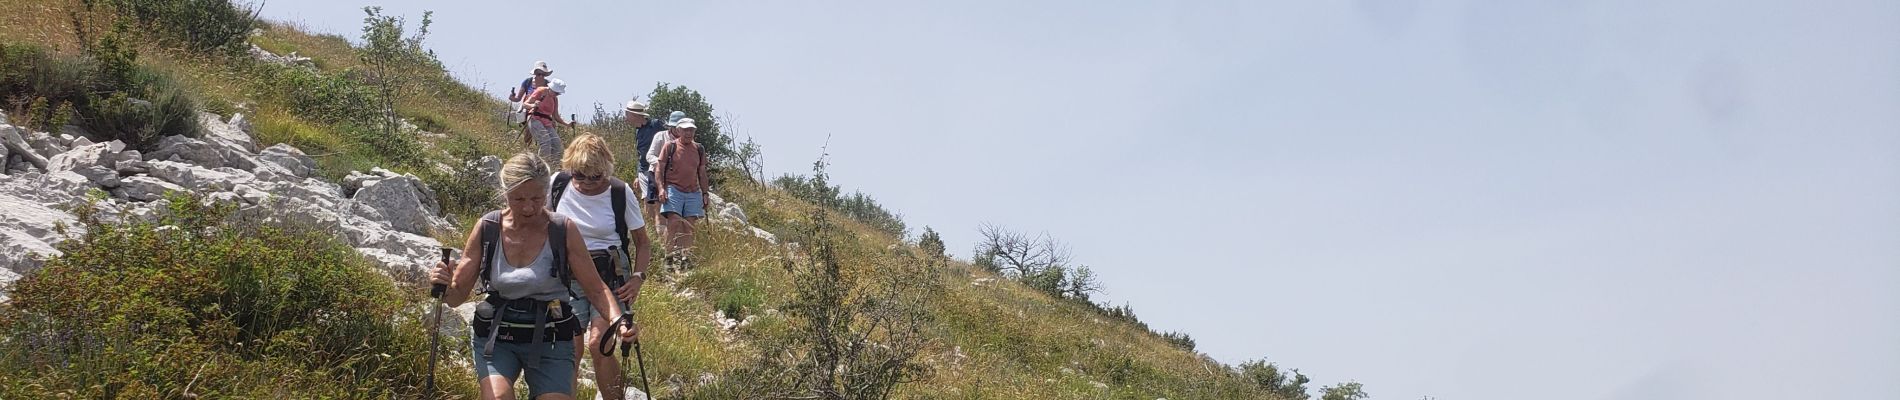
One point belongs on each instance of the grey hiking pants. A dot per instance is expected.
(547, 142)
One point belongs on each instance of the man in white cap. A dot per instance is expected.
(544, 113)
(682, 172)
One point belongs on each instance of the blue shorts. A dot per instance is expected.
(552, 371)
(686, 204)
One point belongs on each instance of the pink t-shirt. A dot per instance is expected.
(549, 105)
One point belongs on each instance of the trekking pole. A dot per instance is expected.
(435, 329)
(626, 319)
(642, 360)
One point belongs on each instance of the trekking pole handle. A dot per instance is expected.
(436, 290)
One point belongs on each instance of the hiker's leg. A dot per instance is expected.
(606, 368)
(497, 388)
(676, 231)
(686, 236)
(547, 142)
(552, 376)
(676, 201)
(694, 210)
(495, 374)
(652, 209)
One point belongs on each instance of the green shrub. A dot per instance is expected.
(102, 93)
(140, 124)
(1345, 391)
(1179, 339)
(852, 335)
(319, 97)
(667, 98)
(201, 305)
(1269, 377)
(205, 25)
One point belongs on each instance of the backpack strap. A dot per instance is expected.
(666, 157)
(619, 195)
(490, 232)
(557, 189)
(557, 241)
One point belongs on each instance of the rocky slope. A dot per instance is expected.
(389, 218)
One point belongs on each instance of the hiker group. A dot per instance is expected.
(562, 201)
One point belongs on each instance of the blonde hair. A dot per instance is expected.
(588, 155)
(522, 168)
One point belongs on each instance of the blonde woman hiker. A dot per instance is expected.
(608, 217)
(528, 262)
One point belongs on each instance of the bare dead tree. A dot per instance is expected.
(1021, 255)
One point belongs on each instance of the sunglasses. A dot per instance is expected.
(590, 178)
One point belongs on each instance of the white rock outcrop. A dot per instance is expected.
(385, 216)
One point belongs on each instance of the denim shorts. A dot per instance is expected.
(552, 370)
(686, 204)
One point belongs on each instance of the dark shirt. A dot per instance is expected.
(643, 138)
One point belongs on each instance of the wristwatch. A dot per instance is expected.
(642, 276)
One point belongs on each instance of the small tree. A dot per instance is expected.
(1269, 377)
(1344, 391)
(1081, 283)
(931, 243)
(1016, 254)
(856, 336)
(390, 56)
(667, 98)
(1038, 261)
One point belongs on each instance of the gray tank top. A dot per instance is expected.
(533, 281)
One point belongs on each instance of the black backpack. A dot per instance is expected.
(500, 326)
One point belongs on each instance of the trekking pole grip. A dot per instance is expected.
(436, 290)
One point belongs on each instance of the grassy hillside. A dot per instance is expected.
(977, 334)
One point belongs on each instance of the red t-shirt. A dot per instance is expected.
(682, 167)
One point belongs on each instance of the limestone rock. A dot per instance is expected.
(145, 188)
(187, 150)
(290, 158)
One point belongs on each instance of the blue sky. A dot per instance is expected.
(1483, 199)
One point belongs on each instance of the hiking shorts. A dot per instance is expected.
(550, 369)
(686, 204)
(547, 142)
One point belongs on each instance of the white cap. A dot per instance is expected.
(541, 67)
(685, 123)
(557, 86)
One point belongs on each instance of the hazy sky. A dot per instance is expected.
(1483, 199)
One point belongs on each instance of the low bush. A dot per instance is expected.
(200, 305)
(216, 26)
(102, 93)
(1179, 339)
